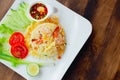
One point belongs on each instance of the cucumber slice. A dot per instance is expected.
(33, 69)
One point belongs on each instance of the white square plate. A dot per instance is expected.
(77, 30)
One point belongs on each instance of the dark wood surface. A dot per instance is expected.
(99, 59)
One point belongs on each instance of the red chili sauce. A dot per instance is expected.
(38, 11)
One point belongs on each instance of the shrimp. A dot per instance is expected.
(59, 40)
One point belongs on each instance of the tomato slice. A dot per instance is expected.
(16, 37)
(19, 50)
(55, 33)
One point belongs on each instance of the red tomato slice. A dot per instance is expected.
(19, 50)
(16, 37)
(55, 33)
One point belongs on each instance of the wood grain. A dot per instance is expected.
(99, 59)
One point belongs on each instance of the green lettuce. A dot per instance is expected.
(16, 20)
(15, 61)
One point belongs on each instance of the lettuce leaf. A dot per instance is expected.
(15, 61)
(16, 20)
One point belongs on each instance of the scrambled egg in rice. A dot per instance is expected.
(46, 39)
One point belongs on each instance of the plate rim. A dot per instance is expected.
(61, 76)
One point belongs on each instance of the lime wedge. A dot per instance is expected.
(33, 69)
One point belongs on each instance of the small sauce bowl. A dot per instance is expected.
(39, 11)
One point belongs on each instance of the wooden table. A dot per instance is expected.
(99, 59)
